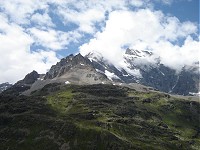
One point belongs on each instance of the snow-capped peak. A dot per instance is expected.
(137, 53)
(140, 59)
(143, 67)
(94, 56)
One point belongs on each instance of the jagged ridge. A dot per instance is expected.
(144, 68)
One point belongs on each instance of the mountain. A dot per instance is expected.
(76, 69)
(24, 84)
(144, 68)
(86, 102)
(29, 78)
(138, 68)
(4, 86)
(70, 70)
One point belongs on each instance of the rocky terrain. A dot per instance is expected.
(144, 68)
(94, 69)
(70, 70)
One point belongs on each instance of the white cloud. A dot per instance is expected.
(137, 3)
(85, 20)
(176, 56)
(146, 29)
(16, 58)
(43, 20)
(20, 11)
(53, 40)
(124, 27)
(86, 14)
(50, 39)
(174, 29)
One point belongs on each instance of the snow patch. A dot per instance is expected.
(174, 85)
(194, 94)
(131, 71)
(99, 71)
(134, 72)
(111, 75)
(67, 82)
(126, 75)
(91, 59)
(40, 79)
(137, 81)
(162, 73)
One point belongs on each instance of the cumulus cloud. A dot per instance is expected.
(49, 26)
(87, 14)
(176, 56)
(42, 20)
(146, 29)
(18, 35)
(20, 11)
(85, 20)
(53, 40)
(29, 23)
(16, 57)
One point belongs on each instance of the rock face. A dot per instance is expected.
(139, 67)
(24, 84)
(29, 78)
(66, 64)
(112, 72)
(144, 68)
(187, 81)
(75, 69)
(4, 86)
(71, 70)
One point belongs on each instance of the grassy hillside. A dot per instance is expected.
(95, 117)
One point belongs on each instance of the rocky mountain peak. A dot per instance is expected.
(66, 64)
(138, 68)
(138, 53)
(132, 52)
(23, 84)
(95, 56)
(74, 60)
(79, 59)
(144, 67)
(29, 78)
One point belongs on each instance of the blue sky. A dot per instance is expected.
(35, 34)
(184, 10)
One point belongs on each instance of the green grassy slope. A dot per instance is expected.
(97, 117)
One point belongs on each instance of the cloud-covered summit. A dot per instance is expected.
(146, 29)
(35, 34)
